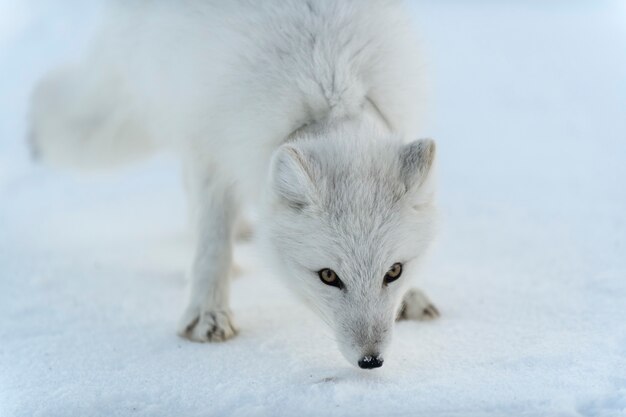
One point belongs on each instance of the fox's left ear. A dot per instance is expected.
(416, 169)
(292, 177)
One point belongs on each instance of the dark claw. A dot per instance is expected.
(192, 325)
(431, 311)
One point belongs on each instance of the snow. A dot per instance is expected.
(529, 111)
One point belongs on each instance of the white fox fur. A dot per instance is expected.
(308, 108)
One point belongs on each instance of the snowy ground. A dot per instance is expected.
(529, 109)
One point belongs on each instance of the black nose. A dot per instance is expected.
(370, 362)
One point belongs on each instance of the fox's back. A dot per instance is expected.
(296, 58)
(228, 81)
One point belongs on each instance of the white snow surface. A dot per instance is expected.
(528, 106)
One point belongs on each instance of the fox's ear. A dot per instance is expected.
(416, 169)
(292, 177)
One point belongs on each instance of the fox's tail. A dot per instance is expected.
(85, 120)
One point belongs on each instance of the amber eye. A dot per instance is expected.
(393, 273)
(329, 277)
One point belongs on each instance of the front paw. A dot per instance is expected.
(416, 306)
(207, 326)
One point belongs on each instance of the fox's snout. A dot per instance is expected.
(370, 362)
(369, 357)
(364, 343)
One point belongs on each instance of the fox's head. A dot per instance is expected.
(350, 220)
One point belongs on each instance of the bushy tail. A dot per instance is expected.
(84, 120)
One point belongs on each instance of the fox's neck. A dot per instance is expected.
(368, 114)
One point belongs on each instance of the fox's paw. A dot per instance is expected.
(207, 326)
(416, 306)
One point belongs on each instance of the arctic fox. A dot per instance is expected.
(307, 108)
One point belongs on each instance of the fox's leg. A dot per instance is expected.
(416, 306)
(243, 229)
(208, 317)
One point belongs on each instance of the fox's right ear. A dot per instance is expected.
(292, 177)
(416, 169)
